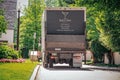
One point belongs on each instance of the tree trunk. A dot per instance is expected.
(94, 59)
(111, 57)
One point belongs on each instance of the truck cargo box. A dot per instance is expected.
(63, 36)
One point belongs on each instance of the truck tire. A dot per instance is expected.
(45, 65)
(71, 63)
(51, 63)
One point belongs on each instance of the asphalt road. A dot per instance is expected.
(64, 73)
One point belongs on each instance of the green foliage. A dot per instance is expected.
(110, 30)
(70, 1)
(1, 1)
(8, 52)
(52, 3)
(30, 24)
(98, 50)
(3, 23)
(56, 3)
(107, 23)
(62, 3)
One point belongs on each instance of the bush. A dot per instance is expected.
(8, 52)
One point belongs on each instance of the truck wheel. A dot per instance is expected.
(51, 63)
(45, 65)
(45, 61)
(71, 63)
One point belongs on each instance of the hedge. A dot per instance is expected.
(8, 52)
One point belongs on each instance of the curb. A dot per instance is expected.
(104, 68)
(35, 72)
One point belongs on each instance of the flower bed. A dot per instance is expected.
(12, 60)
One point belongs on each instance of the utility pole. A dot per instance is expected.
(18, 29)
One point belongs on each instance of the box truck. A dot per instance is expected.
(63, 36)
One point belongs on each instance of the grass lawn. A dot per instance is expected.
(17, 71)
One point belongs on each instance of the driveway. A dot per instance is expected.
(60, 73)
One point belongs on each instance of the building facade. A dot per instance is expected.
(10, 13)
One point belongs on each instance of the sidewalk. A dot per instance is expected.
(102, 68)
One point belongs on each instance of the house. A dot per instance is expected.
(10, 13)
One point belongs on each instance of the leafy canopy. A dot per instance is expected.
(30, 24)
(3, 23)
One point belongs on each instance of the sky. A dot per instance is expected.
(22, 4)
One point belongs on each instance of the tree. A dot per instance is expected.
(30, 24)
(98, 51)
(3, 23)
(52, 3)
(55, 3)
(107, 23)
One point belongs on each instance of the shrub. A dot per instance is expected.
(8, 52)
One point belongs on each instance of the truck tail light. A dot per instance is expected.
(52, 57)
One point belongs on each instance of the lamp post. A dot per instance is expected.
(18, 29)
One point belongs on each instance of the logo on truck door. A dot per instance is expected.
(65, 19)
(65, 14)
(65, 22)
